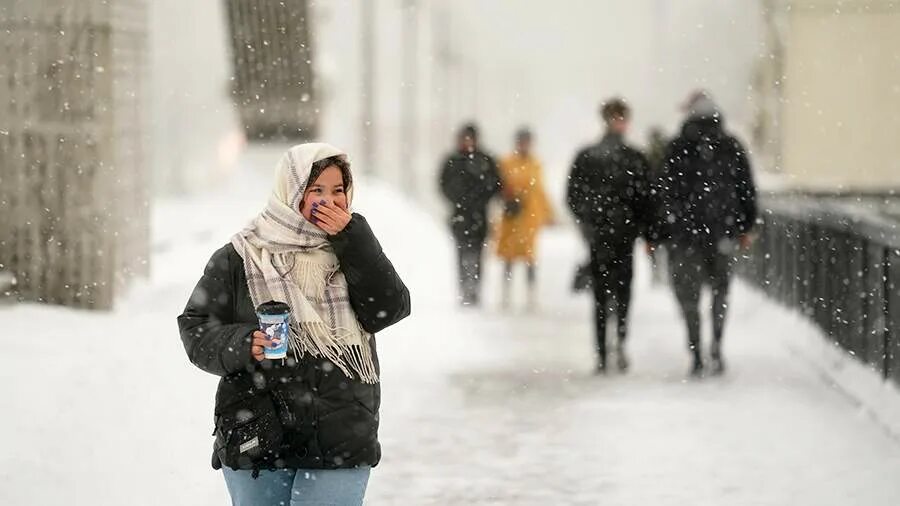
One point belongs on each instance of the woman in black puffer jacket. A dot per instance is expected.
(317, 410)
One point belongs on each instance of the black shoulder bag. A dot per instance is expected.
(249, 433)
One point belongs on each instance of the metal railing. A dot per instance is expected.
(838, 265)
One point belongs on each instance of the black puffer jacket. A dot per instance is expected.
(468, 182)
(609, 192)
(329, 420)
(706, 191)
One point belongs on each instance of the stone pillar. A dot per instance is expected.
(72, 186)
(273, 76)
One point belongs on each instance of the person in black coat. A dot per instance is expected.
(708, 204)
(609, 194)
(305, 428)
(469, 180)
(655, 152)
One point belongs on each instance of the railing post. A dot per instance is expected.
(762, 250)
(855, 311)
(887, 336)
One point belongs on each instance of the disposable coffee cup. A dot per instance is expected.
(274, 320)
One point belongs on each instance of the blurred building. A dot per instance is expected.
(73, 186)
(829, 90)
(272, 53)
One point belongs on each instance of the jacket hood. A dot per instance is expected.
(698, 127)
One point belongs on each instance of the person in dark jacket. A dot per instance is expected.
(708, 202)
(656, 150)
(656, 155)
(300, 430)
(469, 180)
(609, 194)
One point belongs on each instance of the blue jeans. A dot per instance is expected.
(298, 487)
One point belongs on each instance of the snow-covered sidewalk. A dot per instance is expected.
(479, 407)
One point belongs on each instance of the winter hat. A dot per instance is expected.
(701, 105)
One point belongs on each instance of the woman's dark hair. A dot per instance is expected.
(338, 161)
(319, 167)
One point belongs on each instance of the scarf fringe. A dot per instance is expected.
(333, 344)
(288, 259)
(312, 278)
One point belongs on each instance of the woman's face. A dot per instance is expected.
(329, 187)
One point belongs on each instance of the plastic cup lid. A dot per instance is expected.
(273, 307)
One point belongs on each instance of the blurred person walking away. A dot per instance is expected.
(708, 203)
(609, 194)
(656, 155)
(469, 180)
(526, 209)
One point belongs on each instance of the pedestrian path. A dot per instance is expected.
(479, 406)
(487, 407)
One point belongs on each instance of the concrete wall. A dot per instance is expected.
(73, 198)
(841, 112)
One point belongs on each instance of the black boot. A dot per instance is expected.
(621, 359)
(601, 365)
(469, 295)
(697, 365)
(717, 365)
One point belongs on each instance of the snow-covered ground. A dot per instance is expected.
(479, 407)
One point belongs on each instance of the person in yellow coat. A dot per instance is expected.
(525, 210)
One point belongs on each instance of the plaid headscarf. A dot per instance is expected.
(288, 259)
